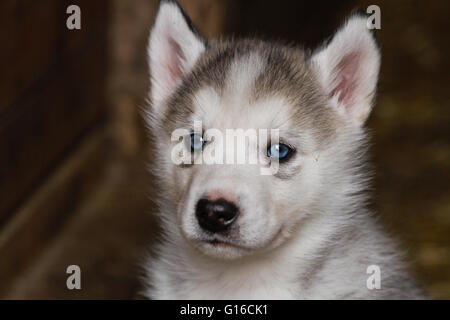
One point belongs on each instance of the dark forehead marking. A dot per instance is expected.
(286, 72)
(211, 70)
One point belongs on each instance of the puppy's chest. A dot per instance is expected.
(235, 285)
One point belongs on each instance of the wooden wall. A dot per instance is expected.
(52, 97)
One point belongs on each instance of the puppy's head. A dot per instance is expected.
(298, 116)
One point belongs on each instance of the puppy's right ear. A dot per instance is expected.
(174, 48)
(348, 69)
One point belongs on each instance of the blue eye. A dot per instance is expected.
(280, 151)
(197, 142)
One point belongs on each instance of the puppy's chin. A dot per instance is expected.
(221, 250)
(225, 249)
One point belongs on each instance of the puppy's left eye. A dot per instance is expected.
(279, 150)
(197, 142)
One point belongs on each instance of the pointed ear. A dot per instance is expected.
(348, 67)
(174, 47)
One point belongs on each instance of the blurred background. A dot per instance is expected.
(73, 149)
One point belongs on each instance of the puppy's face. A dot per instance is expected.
(267, 132)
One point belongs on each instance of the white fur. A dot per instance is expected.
(170, 32)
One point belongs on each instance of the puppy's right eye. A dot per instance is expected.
(197, 142)
(280, 151)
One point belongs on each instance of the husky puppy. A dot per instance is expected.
(231, 232)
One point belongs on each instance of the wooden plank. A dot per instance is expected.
(37, 40)
(47, 118)
(31, 38)
(108, 236)
(32, 142)
(41, 218)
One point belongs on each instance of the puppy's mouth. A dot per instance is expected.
(221, 248)
(221, 244)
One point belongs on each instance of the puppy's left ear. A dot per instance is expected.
(174, 47)
(348, 67)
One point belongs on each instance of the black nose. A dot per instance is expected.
(216, 216)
